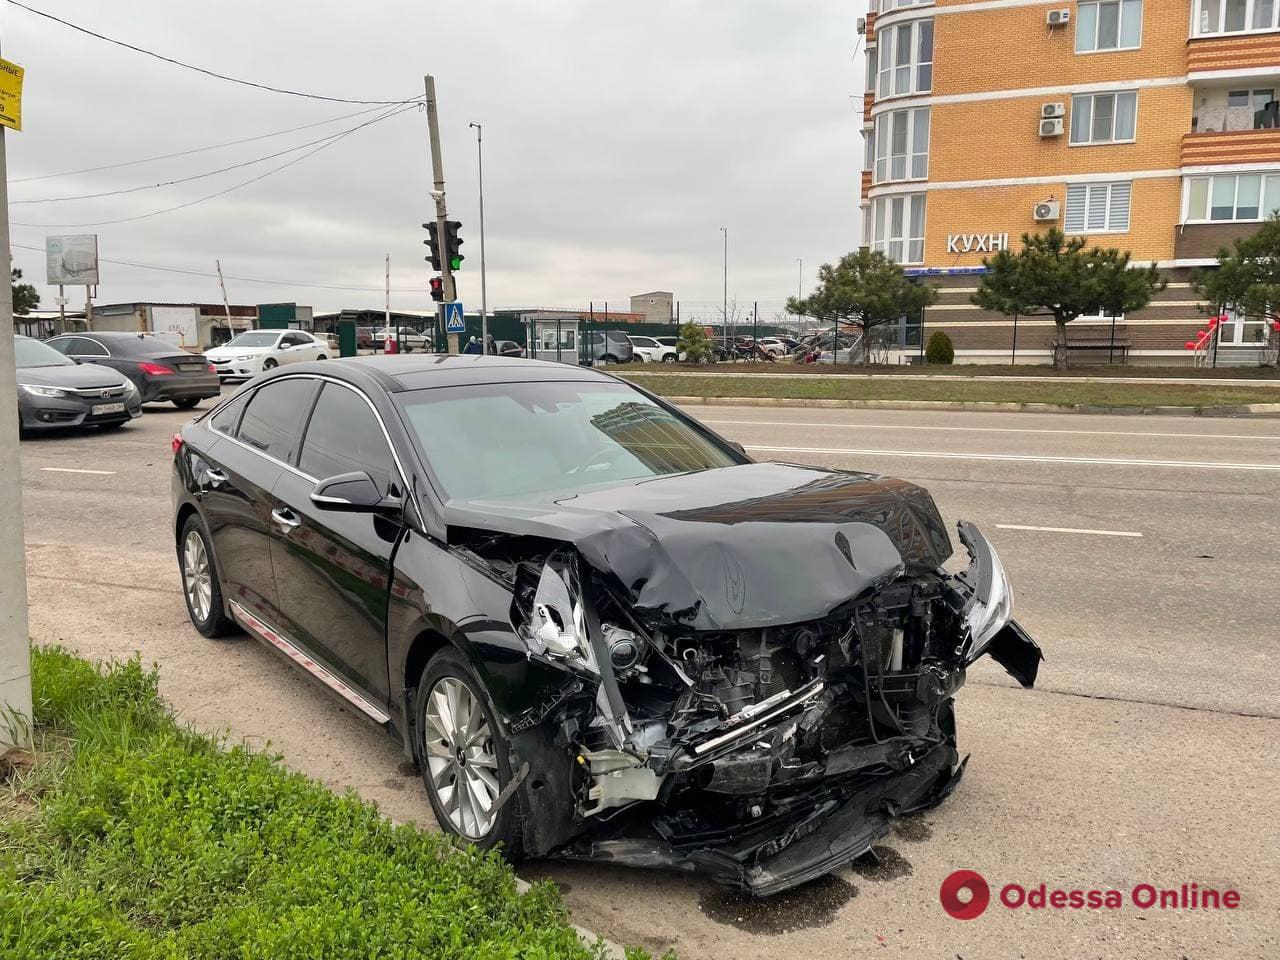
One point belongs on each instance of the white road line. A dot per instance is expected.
(1016, 458)
(897, 426)
(1096, 533)
(100, 473)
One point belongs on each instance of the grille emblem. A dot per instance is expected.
(106, 393)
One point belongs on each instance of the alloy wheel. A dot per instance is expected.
(196, 576)
(458, 745)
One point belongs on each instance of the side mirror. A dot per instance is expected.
(739, 448)
(352, 493)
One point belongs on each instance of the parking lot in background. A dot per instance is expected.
(1144, 553)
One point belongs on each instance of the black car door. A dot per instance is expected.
(333, 569)
(258, 439)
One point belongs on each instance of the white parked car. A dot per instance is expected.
(254, 351)
(650, 350)
(774, 346)
(409, 339)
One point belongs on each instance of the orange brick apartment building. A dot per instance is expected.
(1149, 125)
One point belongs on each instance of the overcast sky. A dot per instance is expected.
(619, 137)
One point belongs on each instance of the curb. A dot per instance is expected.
(611, 950)
(940, 406)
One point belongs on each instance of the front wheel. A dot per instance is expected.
(669, 358)
(465, 756)
(269, 363)
(186, 403)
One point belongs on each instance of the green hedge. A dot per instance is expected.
(147, 840)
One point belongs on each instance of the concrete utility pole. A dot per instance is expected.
(226, 305)
(484, 293)
(386, 321)
(15, 643)
(725, 231)
(442, 210)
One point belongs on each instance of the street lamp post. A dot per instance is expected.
(725, 231)
(484, 293)
(800, 291)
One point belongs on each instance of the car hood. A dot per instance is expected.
(740, 547)
(227, 353)
(76, 376)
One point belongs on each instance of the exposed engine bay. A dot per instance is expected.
(702, 725)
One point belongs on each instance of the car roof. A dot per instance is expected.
(398, 373)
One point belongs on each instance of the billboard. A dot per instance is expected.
(72, 261)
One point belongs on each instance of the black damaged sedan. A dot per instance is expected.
(599, 629)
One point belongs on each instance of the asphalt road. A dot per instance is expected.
(1149, 753)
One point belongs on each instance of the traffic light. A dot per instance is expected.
(452, 243)
(432, 242)
(437, 289)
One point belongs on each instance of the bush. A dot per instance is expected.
(940, 351)
(151, 841)
(694, 344)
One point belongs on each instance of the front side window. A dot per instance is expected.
(1230, 197)
(1108, 25)
(898, 227)
(1098, 207)
(905, 59)
(344, 436)
(902, 145)
(1104, 117)
(34, 353)
(272, 422)
(1235, 16)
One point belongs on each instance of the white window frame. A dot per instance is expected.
(1188, 215)
(1119, 25)
(883, 155)
(1200, 13)
(1242, 330)
(1101, 317)
(887, 5)
(883, 237)
(1093, 109)
(1107, 192)
(886, 57)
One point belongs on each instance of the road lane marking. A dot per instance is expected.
(1021, 458)
(1096, 533)
(100, 473)
(894, 426)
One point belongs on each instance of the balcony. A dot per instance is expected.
(1202, 241)
(1231, 146)
(1258, 53)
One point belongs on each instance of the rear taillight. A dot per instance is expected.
(154, 369)
(176, 443)
(212, 368)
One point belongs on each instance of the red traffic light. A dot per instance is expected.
(437, 289)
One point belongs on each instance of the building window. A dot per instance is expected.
(898, 227)
(1098, 207)
(1236, 16)
(902, 145)
(1104, 117)
(905, 58)
(1109, 25)
(1237, 330)
(887, 5)
(1232, 196)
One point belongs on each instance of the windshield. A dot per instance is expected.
(514, 439)
(33, 353)
(254, 338)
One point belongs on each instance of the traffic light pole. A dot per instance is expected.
(442, 210)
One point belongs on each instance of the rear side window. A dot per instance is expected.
(272, 421)
(344, 436)
(226, 419)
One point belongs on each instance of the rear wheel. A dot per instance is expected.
(608, 358)
(200, 585)
(186, 403)
(465, 755)
(322, 357)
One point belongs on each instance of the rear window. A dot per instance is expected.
(272, 422)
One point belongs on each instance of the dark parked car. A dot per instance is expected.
(56, 391)
(599, 629)
(507, 348)
(160, 370)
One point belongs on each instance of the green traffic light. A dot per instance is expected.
(455, 263)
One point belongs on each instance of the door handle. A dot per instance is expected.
(285, 519)
(215, 477)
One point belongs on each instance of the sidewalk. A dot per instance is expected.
(742, 370)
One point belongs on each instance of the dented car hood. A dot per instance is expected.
(740, 547)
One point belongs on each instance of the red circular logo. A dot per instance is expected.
(979, 894)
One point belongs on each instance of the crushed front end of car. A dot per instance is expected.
(755, 686)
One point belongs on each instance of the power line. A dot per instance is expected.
(187, 153)
(244, 183)
(205, 71)
(198, 176)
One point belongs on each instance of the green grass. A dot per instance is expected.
(874, 388)
(133, 838)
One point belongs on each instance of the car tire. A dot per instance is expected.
(109, 427)
(201, 590)
(269, 363)
(186, 403)
(447, 675)
(608, 358)
(669, 358)
(322, 357)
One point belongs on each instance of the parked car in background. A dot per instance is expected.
(365, 339)
(408, 339)
(598, 629)
(507, 348)
(160, 370)
(607, 346)
(774, 346)
(256, 351)
(56, 391)
(649, 350)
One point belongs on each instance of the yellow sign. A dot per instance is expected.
(11, 94)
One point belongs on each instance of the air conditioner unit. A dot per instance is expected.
(1052, 128)
(1046, 210)
(1050, 110)
(862, 26)
(1058, 18)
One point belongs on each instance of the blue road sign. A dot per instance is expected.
(453, 322)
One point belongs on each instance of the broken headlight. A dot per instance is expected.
(557, 623)
(989, 603)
